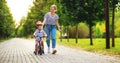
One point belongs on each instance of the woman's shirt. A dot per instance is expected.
(51, 20)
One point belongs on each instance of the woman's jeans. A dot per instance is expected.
(51, 33)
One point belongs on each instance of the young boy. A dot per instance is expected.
(39, 35)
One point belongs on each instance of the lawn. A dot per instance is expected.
(97, 47)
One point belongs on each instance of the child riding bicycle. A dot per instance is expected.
(39, 34)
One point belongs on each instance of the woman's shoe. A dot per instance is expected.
(54, 51)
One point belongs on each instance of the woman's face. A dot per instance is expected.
(52, 9)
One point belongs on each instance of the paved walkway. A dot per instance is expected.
(21, 51)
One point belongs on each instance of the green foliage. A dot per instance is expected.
(94, 10)
(64, 18)
(84, 10)
(117, 29)
(20, 32)
(83, 31)
(117, 34)
(35, 13)
(118, 6)
(98, 33)
(99, 30)
(74, 9)
(88, 11)
(71, 12)
(7, 26)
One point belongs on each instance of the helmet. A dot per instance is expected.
(38, 22)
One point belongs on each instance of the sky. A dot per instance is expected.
(19, 8)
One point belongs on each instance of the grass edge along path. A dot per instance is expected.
(97, 47)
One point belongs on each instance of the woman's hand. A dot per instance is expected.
(60, 29)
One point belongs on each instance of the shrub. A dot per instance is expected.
(83, 31)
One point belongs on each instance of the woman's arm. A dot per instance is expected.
(44, 34)
(58, 25)
(44, 22)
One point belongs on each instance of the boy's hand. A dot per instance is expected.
(44, 36)
(35, 35)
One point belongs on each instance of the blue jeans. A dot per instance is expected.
(51, 32)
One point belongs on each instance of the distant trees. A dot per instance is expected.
(95, 13)
(7, 25)
(36, 12)
(75, 12)
(84, 11)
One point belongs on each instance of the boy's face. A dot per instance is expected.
(39, 26)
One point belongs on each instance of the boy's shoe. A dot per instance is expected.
(43, 52)
(54, 51)
(35, 53)
(40, 52)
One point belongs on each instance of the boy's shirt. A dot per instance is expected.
(39, 34)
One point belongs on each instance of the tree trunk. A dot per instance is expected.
(113, 14)
(90, 32)
(76, 33)
(107, 24)
(67, 33)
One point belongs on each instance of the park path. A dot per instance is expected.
(18, 50)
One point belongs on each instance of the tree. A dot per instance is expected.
(114, 2)
(84, 10)
(36, 13)
(107, 24)
(20, 31)
(95, 12)
(63, 18)
(75, 11)
(7, 26)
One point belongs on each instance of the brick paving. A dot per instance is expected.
(19, 50)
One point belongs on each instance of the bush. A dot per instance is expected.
(117, 29)
(97, 33)
(117, 32)
(99, 30)
(20, 31)
(83, 31)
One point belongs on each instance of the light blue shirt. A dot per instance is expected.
(51, 20)
(39, 34)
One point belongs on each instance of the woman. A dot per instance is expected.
(51, 21)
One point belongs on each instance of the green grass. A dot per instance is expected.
(97, 47)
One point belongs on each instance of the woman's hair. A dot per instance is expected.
(55, 7)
